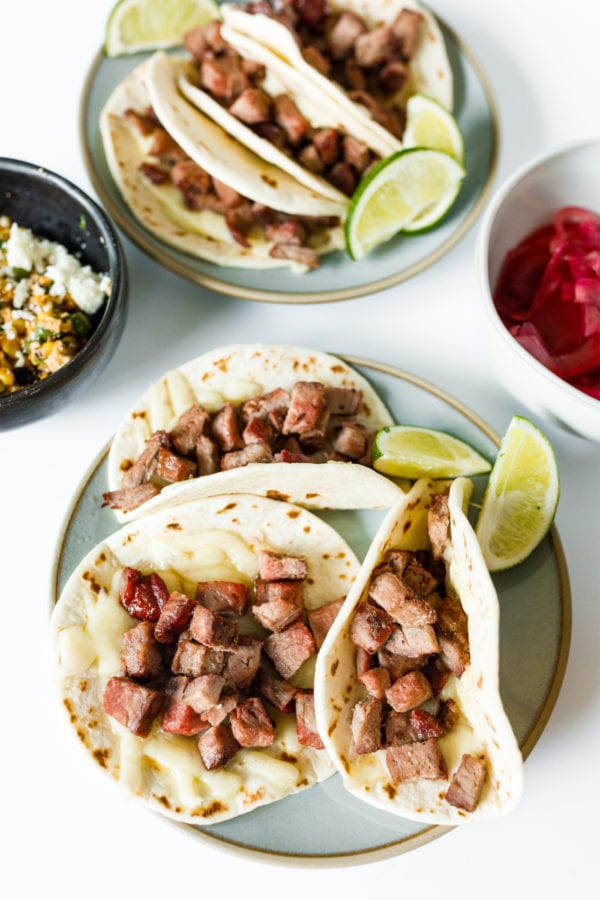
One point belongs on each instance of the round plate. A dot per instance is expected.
(338, 278)
(324, 825)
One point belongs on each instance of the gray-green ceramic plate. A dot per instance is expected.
(339, 278)
(324, 825)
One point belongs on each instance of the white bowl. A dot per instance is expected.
(569, 176)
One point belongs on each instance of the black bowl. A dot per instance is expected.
(54, 208)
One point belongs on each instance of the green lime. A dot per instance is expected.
(407, 451)
(136, 25)
(429, 124)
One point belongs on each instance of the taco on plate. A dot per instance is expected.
(198, 189)
(184, 647)
(274, 420)
(406, 685)
(360, 61)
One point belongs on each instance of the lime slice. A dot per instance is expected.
(136, 25)
(521, 497)
(409, 185)
(429, 124)
(406, 451)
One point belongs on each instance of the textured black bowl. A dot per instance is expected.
(56, 209)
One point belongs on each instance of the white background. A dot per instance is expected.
(67, 832)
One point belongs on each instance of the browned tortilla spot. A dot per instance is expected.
(334, 666)
(174, 526)
(276, 495)
(162, 799)
(288, 757)
(227, 508)
(101, 558)
(272, 182)
(293, 513)
(303, 782)
(406, 526)
(390, 790)
(310, 496)
(88, 576)
(82, 685)
(223, 364)
(306, 529)
(126, 464)
(141, 414)
(212, 810)
(337, 369)
(326, 556)
(255, 797)
(102, 756)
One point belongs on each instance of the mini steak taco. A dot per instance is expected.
(213, 424)
(185, 648)
(363, 60)
(196, 188)
(406, 687)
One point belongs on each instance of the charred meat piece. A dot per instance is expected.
(418, 578)
(178, 716)
(343, 177)
(400, 601)
(393, 77)
(312, 13)
(189, 176)
(317, 60)
(289, 649)
(343, 401)
(133, 705)
(321, 620)
(304, 256)
(308, 403)
(212, 630)
(344, 33)
(228, 195)
(414, 643)
(276, 691)
(437, 673)
(128, 499)
(225, 429)
(356, 153)
(405, 29)
(424, 726)
(453, 635)
(351, 440)
(290, 232)
(448, 714)
(204, 692)
(171, 467)
(258, 430)
(272, 133)
(374, 47)
(188, 429)
(310, 159)
(227, 703)
(174, 617)
(223, 596)
(411, 762)
(140, 654)
(251, 725)
(291, 591)
(290, 119)
(223, 77)
(240, 221)
(397, 664)
(364, 661)
(155, 174)
(371, 627)
(276, 615)
(252, 106)
(377, 681)
(165, 149)
(366, 725)
(327, 142)
(194, 659)
(273, 405)
(144, 466)
(251, 453)
(217, 746)
(438, 525)
(208, 456)
(467, 783)
(143, 596)
(306, 723)
(396, 729)
(242, 663)
(277, 567)
(409, 691)
(143, 123)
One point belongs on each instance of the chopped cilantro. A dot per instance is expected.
(80, 322)
(19, 274)
(82, 223)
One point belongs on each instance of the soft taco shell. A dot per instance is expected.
(234, 374)
(218, 538)
(483, 728)
(429, 69)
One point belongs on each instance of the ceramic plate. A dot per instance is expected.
(339, 278)
(323, 825)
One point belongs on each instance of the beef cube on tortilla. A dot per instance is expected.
(251, 725)
(140, 653)
(223, 596)
(366, 725)
(217, 746)
(306, 723)
(416, 760)
(467, 783)
(289, 649)
(212, 630)
(133, 705)
(174, 617)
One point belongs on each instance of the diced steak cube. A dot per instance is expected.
(366, 725)
(204, 692)
(143, 124)
(227, 703)
(223, 596)
(155, 174)
(258, 430)
(364, 661)
(405, 28)
(316, 59)
(171, 467)
(327, 142)
(467, 783)
(308, 402)
(448, 714)
(189, 427)
(397, 560)
(398, 664)
(453, 635)
(174, 617)
(272, 133)
(251, 453)
(178, 716)
(140, 654)
(133, 705)
(278, 692)
(225, 429)
(289, 649)
(194, 659)
(252, 106)
(189, 176)
(393, 77)
(166, 149)
(413, 642)
(208, 456)
(437, 673)
(144, 466)
(223, 77)
(418, 578)
(411, 762)
(356, 153)
(290, 119)
(344, 33)
(376, 681)
(306, 722)
(343, 401)
(351, 439)
(213, 630)
(289, 232)
(277, 567)
(310, 159)
(251, 725)
(396, 729)
(343, 177)
(128, 499)
(409, 691)
(276, 615)
(321, 619)
(374, 47)
(424, 726)
(400, 601)
(371, 627)
(304, 256)
(228, 195)
(217, 746)
(274, 405)
(438, 525)
(242, 663)
(292, 591)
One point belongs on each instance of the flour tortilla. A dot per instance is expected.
(429, 69)
(217, 538)
(160, 208)
(234, 374)
(477, 693)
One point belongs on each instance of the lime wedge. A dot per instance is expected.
(429, 124)
(409, 185)
(406, 451)
(136, 25)
(521, 497)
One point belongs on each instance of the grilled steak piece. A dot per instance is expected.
(194, 659)
(217, 746)
(437, 673)
(278, 692)
(310, 159)
(277, 567)
(453, 635)
(252, 106)
(344, 33)
(276, 615)
(413, 642)
(241, 664)
(251, 453)
(208, 456)
(327, 142)
(225, 429)
(316, 59)
(438, 525)
(467, 783)
(411, 762)
(396, 729)
(289, 649)
(144, 124)
(418, 578)
(258, 431)
(178, 716)
(267, 591)
(306, 723)
(364, 661)
(140, 654)
(127, 499)
(400, 601)
(228, 195)
(374, 47)
(144, 466)
(392, 77)
(212, 630)
(397, 664)
(408, 691)
(424, 726)
(251, 725)
(223, 77)
(366, 725)
(290, 119)
(377, 681)
(204, 692)
(371, 627)
(405, 28)
(155, 174)
(189, 427)
(308, 402)
(171, 467)
(223, 596)
(290, 232)
(143, 596)
(227, 703)
(131, 704)
(305, 256)
(321, 620)
(356, 153)
(448, 714)
(189, 176)
(343, 177)
(351, 440)
(343, 401)
(166, 149)
(273, 405)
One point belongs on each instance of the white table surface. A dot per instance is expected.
(67, 832)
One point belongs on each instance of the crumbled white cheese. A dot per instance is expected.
(27, 252)
(20, 293)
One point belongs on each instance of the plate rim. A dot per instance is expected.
(162, 254)
(432, 832)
